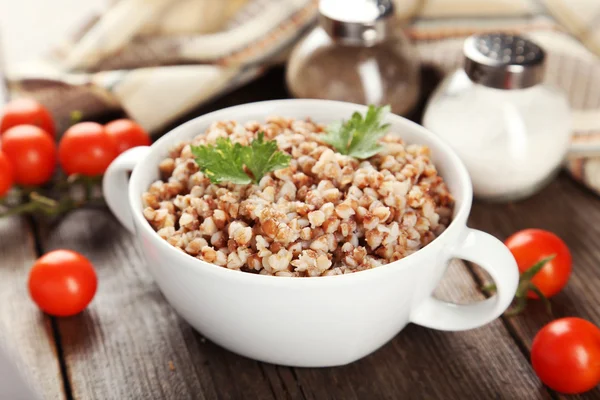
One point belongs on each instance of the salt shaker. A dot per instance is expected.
(357, 53)
(509, 127)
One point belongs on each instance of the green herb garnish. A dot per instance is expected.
(358, 136)
(263, 157)
(239, 164)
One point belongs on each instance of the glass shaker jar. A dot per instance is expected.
(359, 54)
(509, 128)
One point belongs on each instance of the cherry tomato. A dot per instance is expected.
(566, 355)
(27, 112)
(530, 246)
(127, 134)
(32, 153)
(62, 283)
(86, 149)
(6, 174)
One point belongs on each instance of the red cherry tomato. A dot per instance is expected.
(86, 149)
(530, 246)
(32, 153)
(27, 112)
(6, 174)
(127, 134)
(566, 355)
(62, 283)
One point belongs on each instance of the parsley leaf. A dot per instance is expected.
(222, 162)
(227, 161)
(263, 157)
(358, 136)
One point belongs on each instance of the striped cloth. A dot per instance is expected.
(159, 59)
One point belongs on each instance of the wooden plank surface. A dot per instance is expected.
(420, 363)
(130, 344)
(24, 330)
(573, 213)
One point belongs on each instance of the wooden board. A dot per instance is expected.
(130, 343)
(421, 363)
(24, 330)
(573, 213)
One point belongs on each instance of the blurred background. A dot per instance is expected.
(158, 62)
(75, 48)
(31, 27)
(161, 62)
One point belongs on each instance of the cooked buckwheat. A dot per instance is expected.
(325, 214)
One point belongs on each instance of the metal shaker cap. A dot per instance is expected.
(503, 61)
(356, 22)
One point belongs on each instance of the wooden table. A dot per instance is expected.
(130, 344)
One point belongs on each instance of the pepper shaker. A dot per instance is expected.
(510, 128)
(358, 53)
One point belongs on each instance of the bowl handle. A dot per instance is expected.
(115, 184)
(491, 254)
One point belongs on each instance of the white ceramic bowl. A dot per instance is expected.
(320, 321)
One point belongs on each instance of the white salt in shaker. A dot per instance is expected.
(510, 129)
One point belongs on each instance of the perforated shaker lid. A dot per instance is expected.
(503, 61)
(356, 22)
